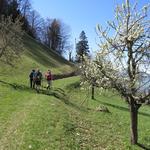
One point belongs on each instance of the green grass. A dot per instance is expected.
(66, 118)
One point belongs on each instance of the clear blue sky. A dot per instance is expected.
(80, 14)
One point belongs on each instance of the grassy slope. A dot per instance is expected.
(35, 56)
(57, 120)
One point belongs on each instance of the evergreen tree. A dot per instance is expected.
(82, 47)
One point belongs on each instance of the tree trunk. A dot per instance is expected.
(70, 53)
(93, 91)
(134, 122)
(2, 2)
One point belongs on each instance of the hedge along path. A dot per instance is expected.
(67, 75)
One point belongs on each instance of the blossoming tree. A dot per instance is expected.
(124, 59)
(11, 39)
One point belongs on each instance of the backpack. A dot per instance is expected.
(38, 76)
(48, 77)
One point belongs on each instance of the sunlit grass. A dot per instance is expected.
(66, 118)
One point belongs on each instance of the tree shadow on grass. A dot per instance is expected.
(57, 93)
(16, 86)
(122, 108)
(143, 146)
(62, 96)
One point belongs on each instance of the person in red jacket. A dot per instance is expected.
(49, 79)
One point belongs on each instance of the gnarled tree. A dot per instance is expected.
(124, 58)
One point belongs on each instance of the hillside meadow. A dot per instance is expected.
(65, 117)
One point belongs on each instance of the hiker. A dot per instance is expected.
(49, 79)
(31, 76)
(38, 78)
